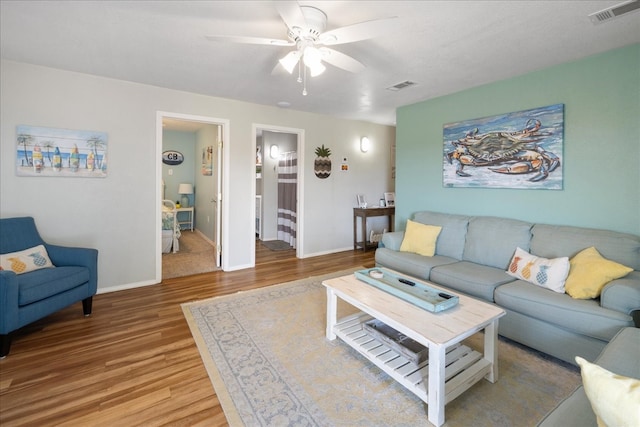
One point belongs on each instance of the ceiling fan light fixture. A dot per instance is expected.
(313, 59)
(290, 61)
(317, 69)
(312, 56)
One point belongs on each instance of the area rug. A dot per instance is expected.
(277, 245)
(270, 364)
(196, 255)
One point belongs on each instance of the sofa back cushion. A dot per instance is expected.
(493, 241)
(18, 234)
(552, 241)
(451, 240)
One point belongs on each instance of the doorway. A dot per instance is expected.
(202, 139)
(279, 171)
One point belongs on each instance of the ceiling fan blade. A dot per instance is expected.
(251, 40)
(362, 31)
(340, 60)
(291, 14)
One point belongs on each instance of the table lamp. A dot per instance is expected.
(185, 190)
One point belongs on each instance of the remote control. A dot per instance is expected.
(445, 296)
(406, 282)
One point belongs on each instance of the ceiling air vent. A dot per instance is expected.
(614, 11)
(402, 85)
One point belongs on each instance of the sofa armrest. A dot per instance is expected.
(8, 301)
(69, 256)
(393, 240)
(623, 294)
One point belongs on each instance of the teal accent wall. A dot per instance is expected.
(185, 143)
(601, 158)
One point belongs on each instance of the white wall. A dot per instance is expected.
(117, 214)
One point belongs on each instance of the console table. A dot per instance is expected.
(365, 213)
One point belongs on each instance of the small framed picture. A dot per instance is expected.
(390, 199)
(361, 201)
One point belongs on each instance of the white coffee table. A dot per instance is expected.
(451, 367)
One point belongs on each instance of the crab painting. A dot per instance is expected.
(505, 152)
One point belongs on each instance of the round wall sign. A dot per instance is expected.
(172, 157)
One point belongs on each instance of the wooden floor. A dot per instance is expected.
(134, 361)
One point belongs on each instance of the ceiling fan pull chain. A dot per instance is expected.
(304, 89)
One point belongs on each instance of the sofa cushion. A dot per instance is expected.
(41, 284)
(615, 399)
(493, 241)
(619, 356)
(548, 273)
(411, 264)
(391, 240)
(452, 236)
(584, 317)
(575, 410)
(472, 279)
(552, 241)
(590, 272)
(420, 238)
(25, 261)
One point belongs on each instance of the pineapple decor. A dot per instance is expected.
(322, 164)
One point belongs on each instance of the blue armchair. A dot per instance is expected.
(27, 297)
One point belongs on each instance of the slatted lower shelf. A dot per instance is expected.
(464, 366)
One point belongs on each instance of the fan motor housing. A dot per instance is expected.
(316, 22)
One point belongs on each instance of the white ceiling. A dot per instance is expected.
(443, 46)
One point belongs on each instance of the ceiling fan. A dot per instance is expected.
(306, 31)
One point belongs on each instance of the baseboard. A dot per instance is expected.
(331, 251)
(126, 286)
(205, 238)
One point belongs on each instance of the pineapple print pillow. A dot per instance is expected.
(548, 273)
(25, 261)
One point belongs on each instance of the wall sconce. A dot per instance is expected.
(274, 151)
(185, 190)
(364, 144)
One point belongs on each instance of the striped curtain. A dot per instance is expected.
(287, 189)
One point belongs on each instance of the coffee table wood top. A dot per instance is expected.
(443, 328)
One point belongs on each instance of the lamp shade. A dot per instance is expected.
(290, 60)
(185, 189)
(313, 60)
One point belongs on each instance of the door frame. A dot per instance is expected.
(224, 123)
(300, 187)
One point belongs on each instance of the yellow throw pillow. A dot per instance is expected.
(615, 399)
(589, 273)
(420, 238)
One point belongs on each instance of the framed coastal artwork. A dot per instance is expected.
(522, 150)
(207, 160)
(42, 151)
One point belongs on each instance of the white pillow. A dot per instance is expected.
(615, 399)
(27, 260)
(547, 273)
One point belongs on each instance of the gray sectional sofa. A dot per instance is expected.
(620, 356)
(473, 253)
